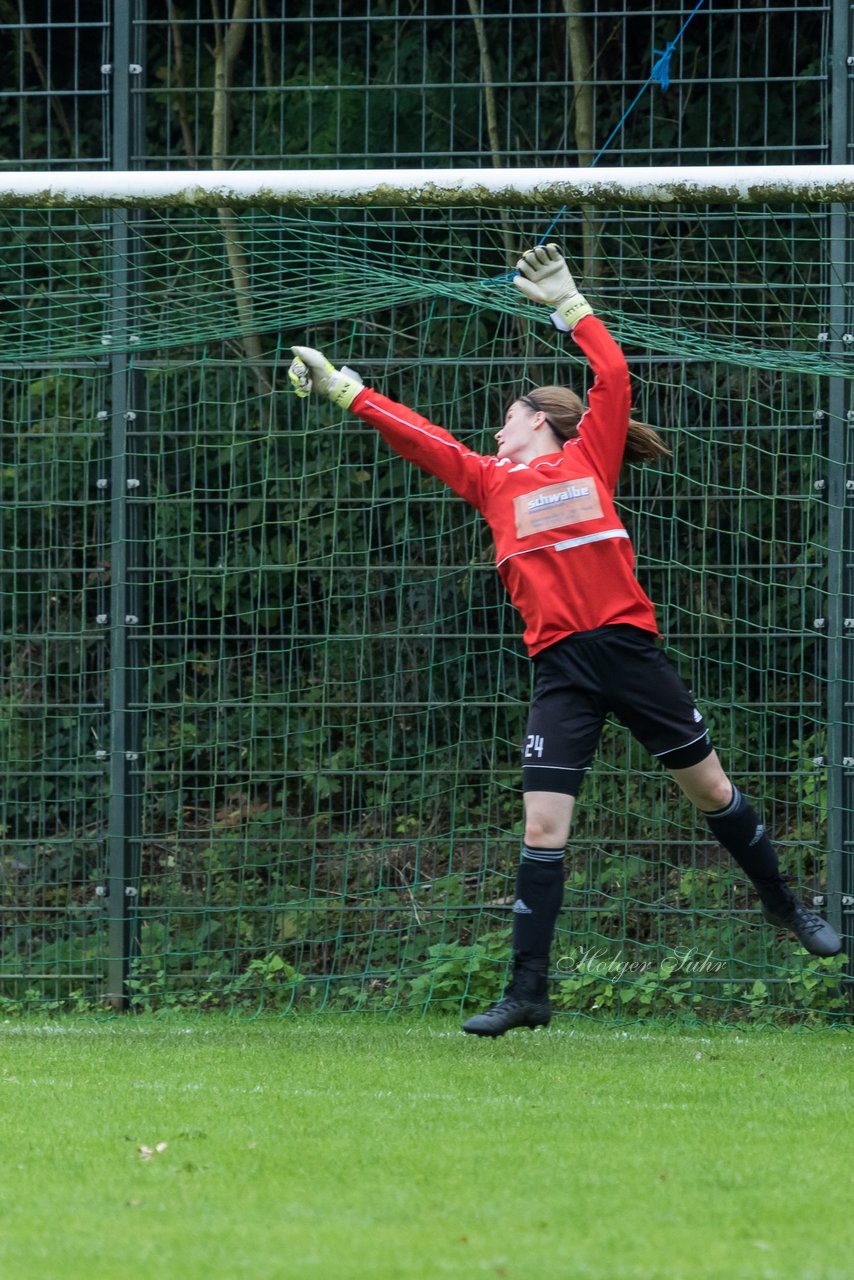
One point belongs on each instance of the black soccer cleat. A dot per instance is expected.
(509, 1013)
(811, 930)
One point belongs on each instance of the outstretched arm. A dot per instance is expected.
(415, 438)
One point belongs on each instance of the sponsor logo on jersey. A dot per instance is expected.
(563, 495)
(556, 506)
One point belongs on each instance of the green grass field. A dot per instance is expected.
(336, 1146)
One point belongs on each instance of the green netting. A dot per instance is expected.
(325, 687)
(748, 285)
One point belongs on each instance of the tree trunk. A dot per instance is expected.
(226, 50)
(581, 62)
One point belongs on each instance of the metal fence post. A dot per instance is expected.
(840, 588)
(124, 820)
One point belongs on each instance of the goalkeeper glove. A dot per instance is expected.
(311, 371)
(544, 277)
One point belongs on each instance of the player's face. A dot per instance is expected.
(518, 440)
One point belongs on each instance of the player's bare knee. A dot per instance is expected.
(538, 833)
(545, 831)
(706, 784)
(711, 795)
(720, 794)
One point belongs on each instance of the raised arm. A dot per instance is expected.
(602, 430)
(545, 278)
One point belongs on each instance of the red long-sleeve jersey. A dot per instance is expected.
(561, 550)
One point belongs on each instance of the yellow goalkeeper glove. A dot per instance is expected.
(544, 277)
(311, 371)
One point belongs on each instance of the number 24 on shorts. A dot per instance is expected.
(534, 746)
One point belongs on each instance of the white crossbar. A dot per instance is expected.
(542, 188)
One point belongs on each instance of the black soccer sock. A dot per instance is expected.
(738, 829)
(539, 894)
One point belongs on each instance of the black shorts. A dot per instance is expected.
(579, 681)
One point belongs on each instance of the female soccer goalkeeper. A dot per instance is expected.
(566, 560)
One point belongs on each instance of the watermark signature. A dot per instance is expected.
(600, 964)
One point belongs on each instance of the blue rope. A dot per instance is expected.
(660, 74)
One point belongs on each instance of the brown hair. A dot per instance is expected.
(564, 410)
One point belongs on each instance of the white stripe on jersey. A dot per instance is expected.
(590, 537)
(568, 543)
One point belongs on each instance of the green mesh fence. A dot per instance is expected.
(323, 688)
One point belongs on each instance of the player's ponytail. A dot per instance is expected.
(564, 410)
(643, 444)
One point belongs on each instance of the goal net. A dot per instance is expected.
(298, 642)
